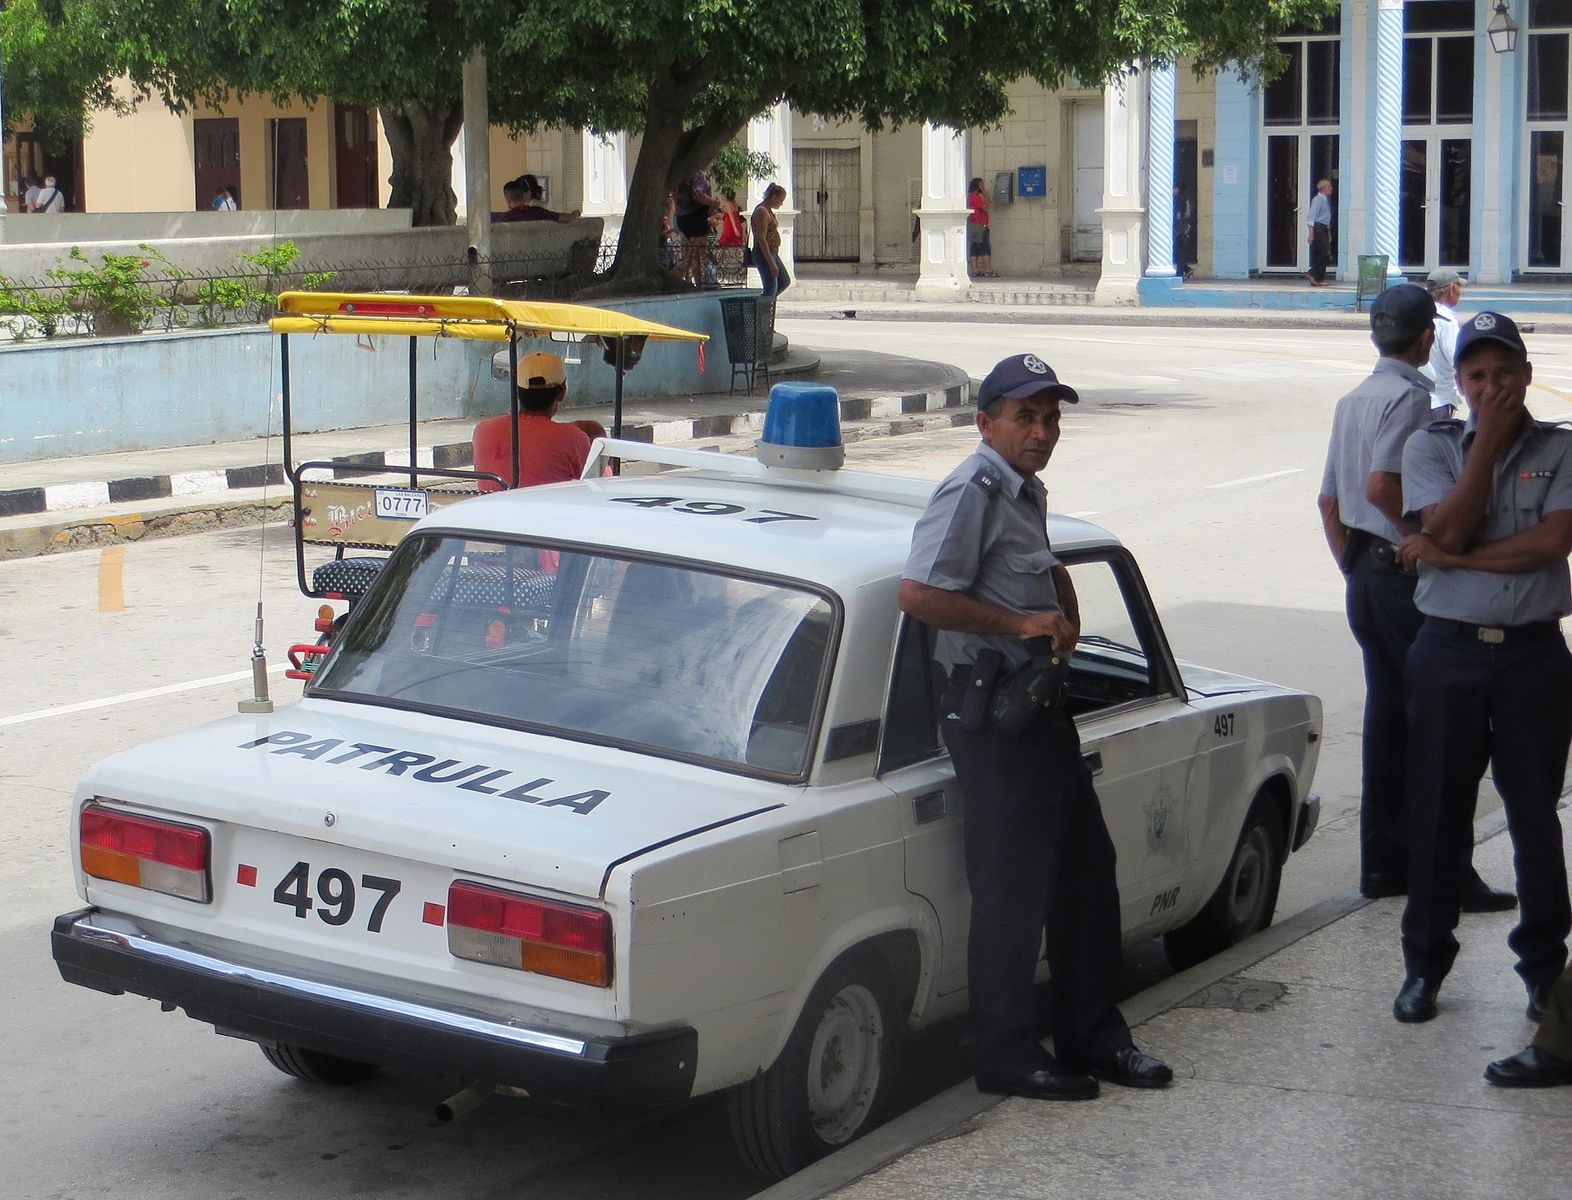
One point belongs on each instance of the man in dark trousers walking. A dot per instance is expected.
(1038, 853)
(1319, 225)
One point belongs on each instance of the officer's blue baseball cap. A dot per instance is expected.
(1400, 314)
(1488, 327)
(1019, 376)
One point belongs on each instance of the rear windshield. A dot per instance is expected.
(661, 656)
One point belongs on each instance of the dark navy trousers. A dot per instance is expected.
(1508, 706)
(1038, 856)
(1384, 622)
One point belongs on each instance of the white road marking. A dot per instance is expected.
(1081, 516)
(1255, 478)
(62, 710)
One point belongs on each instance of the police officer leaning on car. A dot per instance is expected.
(1037, 849)
(1490, 678)
(1361, 505)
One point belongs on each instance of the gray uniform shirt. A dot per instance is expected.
(1533, 479)
(985, 533)
(1368, 431)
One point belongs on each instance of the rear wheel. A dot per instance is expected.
(316, 1067)
(1247, 897)
(830, 1082)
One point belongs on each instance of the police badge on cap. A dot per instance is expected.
(1488, 327)
(1019, 376)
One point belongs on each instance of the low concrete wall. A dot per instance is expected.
(208, 243)
(105, 395)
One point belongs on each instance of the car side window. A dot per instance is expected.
(1118, 657)
(911, 720)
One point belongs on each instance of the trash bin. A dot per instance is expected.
(749, 324)
(1372, 278)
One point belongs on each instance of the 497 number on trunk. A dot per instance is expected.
(334, 901)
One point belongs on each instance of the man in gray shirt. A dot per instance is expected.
(1319, 231)
(1038, 854)
(1490, 678)
(1361, 505)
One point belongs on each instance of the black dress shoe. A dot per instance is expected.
(1538, 997)
(1480, 897)
(1045, 1083)
(1129, 1067)
(1373, 885)
(1417, 1001)
(1532, 1067)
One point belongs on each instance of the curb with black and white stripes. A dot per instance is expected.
(62, 497)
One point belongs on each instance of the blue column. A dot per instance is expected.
(1387, 144)
(1160, 173)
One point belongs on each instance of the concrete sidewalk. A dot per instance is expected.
(69, 503)
(1293, 1082)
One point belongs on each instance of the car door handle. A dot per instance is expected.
(1094, 762)
(928, 807)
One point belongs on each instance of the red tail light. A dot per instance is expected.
(509, 930)
(162, 856)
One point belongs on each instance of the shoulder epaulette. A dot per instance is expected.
(988, 479)
(1444, 424)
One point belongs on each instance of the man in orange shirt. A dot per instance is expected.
(549, 451)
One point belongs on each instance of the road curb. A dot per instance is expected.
(60, 524)
(946, 1113)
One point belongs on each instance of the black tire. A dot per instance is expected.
(1246, 898)
(316, 1067)
(830, 1083)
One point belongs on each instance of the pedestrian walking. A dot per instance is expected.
(1361, 504)
(1038, 854)
(1319, 227)
(773, 279)
(1489, 676)
(50, 199)
(1446, 288)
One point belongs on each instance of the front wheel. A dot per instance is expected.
(1247, 897)
(830, 1082)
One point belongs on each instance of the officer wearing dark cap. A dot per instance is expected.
(1038, 854)
(1361, 505)
(1490, 678)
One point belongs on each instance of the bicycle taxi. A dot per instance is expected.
(342, 507)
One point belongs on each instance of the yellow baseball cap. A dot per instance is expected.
(541, 370)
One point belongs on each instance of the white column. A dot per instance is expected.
(477, 170)
(941, 255)
(1122, 212)
(605, 158)
(770, 133)
(1387, 159)
(1160, 174)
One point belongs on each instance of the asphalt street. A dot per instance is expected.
(1202, 450)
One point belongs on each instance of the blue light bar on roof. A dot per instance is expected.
(802, 428)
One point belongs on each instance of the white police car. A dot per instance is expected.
(630, 790)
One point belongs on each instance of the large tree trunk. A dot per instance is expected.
(668, 152)
(421, 141)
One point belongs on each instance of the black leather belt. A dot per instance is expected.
(1385, 553)
(1493, 635)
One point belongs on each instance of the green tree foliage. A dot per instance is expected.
(685, 74)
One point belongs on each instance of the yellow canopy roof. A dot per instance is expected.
(481, 317)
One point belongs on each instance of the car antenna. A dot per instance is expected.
(260, 701)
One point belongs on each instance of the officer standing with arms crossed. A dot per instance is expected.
(1490, 678)
(1361, 505)
(1037, 849)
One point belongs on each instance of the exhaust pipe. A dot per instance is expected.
(461, 1102)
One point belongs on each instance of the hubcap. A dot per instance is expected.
(1248, 892)
(844, 1064)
